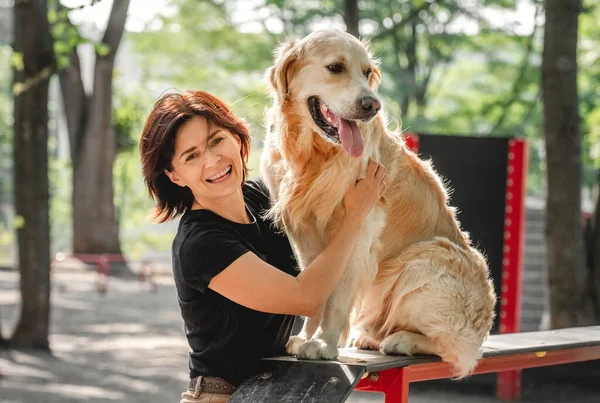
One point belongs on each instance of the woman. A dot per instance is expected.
(238, 284)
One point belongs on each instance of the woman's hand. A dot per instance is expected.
(362, 196)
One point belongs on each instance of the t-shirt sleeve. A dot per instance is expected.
(206, 253)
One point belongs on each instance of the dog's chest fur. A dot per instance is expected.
(311, 197)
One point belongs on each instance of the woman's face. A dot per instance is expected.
(207, 159)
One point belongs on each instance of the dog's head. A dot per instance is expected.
(333, 79)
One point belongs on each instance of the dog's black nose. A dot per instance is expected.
(370, 105)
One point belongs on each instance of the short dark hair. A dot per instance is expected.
(157, 145)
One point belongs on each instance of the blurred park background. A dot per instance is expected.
(70, 180)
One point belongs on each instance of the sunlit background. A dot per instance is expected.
(476, 73)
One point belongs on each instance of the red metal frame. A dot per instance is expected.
(394, 382)
(514, 236)
(509, 383)
(412, 141)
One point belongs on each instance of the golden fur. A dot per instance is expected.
(415, 282)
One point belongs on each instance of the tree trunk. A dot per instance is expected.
(93, 146)
(34, 42)
(569, 300)
(94, 218)
(351, 17)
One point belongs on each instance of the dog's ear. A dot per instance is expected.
(279, 74)
(375, 79)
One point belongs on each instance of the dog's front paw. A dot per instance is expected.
(293, 345)
(317, 349)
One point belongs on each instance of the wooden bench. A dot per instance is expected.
(102, 265)
(286, 379)
(101, 261)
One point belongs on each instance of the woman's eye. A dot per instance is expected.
(368, 73)
(335, 68)
(217, 141)
(191, 156)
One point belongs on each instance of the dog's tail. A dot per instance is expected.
(462, 350)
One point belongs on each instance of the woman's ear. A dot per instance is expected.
(279, 75)
(172, 175)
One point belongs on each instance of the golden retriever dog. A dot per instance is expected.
(414, 284)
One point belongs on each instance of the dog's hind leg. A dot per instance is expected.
(366, 341)
(453, 348)
(408, 343)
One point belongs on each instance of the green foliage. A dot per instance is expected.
(486, 83)
(16, 61)
(7, 242)
(589, 88)
(66, 35)
(134, 209)
(138, 233)
(6, 124)
(197, 47)
(102, 49)
(128, 116)
(61, 217)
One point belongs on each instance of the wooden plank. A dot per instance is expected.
(289, 381)
(525, 342)
(368, 359)
(495, 345)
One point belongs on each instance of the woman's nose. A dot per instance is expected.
(211, 158)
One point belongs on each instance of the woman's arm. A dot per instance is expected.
(253, 283)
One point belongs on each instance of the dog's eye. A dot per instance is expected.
(335, 68)
(368, 73)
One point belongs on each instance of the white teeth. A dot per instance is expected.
(221, 174)
(326, 113)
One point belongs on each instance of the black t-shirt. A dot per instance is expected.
(228, 339)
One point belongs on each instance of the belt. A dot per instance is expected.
(210, 384)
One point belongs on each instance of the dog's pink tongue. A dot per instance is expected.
(351, 137)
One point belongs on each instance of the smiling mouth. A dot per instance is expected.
(220, 176)
(336, 129)
(315, 106)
